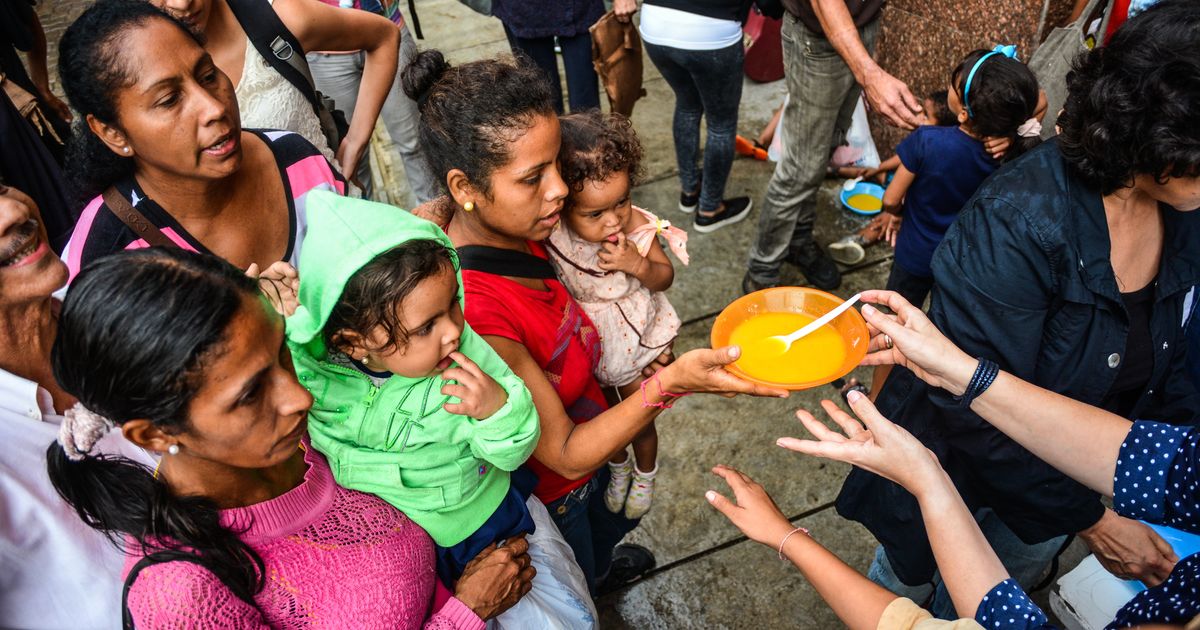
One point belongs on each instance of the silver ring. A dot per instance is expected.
(888, 341)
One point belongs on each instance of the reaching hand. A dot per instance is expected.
(880, 446)
(497, 578)
(479, 395)
(280, 283)
(704, 371)
(891, 227)
(57, 106)
(621, 255)
(1129, 549)
(624, 9)
(996, 147)
(915, 343)
(752, 509)
(349, 153)
(891, 98)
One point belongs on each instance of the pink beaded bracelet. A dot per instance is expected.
(661, 392)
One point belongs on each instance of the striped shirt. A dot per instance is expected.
(99, 232)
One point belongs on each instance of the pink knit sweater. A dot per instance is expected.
(335, 558)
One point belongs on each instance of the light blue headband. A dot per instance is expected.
(1007, 51)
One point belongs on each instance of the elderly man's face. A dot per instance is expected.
(29, 269)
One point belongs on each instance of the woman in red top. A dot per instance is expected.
(492, 137)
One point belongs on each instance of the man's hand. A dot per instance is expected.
(892, 99)
(624, 9)
(1129, 549)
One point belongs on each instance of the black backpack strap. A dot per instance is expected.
(276, 44)
(504, 262)
(151, 559)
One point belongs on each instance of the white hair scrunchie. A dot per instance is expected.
(80, 430)
(1031, 128)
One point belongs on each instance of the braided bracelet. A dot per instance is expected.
(661, 392)
(785, 539)
(985, 374)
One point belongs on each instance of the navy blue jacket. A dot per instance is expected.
(1023, 278)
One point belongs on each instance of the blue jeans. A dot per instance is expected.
(706, 83)
(583, 86)
(589, 528)
(1025, 563)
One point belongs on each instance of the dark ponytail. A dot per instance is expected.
(92, 70)
(1003, 96)
(134, 335)
(471, 113)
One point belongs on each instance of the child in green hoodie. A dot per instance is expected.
(409, 403)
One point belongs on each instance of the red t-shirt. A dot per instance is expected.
(559, 337)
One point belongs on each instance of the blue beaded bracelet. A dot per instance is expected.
(985, 374)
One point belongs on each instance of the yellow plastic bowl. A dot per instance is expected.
(812, 302)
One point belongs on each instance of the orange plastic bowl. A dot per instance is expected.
(849, 325)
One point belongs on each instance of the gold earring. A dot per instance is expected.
(469, 206)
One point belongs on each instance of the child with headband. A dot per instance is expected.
(992, 95)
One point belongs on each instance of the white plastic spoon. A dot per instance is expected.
(851, 183)
(784, 342)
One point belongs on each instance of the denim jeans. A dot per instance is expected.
(706, 83)
(822, 95)
(1025, 563)
(338, 76)
(583, 86)
(589, 528)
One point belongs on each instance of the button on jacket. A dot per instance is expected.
(1023, 278)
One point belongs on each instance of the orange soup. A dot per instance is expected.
(865, 203)
(815, 357)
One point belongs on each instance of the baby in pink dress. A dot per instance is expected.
(607, 254)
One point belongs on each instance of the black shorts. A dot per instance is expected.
(914, 288)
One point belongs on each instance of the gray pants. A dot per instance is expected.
(822, 95)
(338, 77)
(1025, 563)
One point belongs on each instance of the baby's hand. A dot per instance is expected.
(621, 256)
(280, 283)
(479, 395)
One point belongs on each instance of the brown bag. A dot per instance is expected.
(27, 105)
(617, 56)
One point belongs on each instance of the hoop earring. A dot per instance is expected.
(173, 449)
(469, 206)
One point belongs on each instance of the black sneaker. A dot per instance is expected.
(688, 201)
(630, 563)
(750, 285)
(735, 210)
(817, 266)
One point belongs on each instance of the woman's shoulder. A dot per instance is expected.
(303, 164)
(184, 594)
(1035, 195)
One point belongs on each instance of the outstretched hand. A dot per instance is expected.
(891, 98)
(876, 444)
(703, 371)
(915, 343)
(752, 509)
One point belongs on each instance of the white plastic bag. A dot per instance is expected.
(860, 140)
(559, 598)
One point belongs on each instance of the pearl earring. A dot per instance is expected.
(469, 206)
(173, 449)
(125, 149)
(365, 361)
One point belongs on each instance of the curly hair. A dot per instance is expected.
(1132, 104)
(471, 114)
(596, 145)
(373, 295)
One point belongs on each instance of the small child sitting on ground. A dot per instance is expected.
(607, 254)
(413, 406)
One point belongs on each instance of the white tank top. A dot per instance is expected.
(663, 26)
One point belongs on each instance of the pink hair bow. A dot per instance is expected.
(643, 235)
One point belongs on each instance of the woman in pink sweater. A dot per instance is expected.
(242, 524)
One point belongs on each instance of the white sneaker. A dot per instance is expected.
(641, 494)
(618, 484)
(847, 251)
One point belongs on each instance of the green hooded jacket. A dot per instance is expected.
(447, 472)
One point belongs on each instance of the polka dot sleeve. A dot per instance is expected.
(1007, 606)
(1155, 479)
